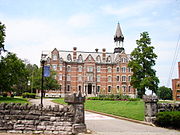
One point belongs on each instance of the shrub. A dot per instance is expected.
(12, 95)
(4, 94)
(168, 119)
(29, 95)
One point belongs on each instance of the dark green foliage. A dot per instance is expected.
(13, 72)
(28, 95)
(164, 93)
(168, 119)
(4, 94)
(114, 98)
(2, 36)
(142, 61)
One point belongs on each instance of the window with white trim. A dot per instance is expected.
(68, 68)
(129, 88)
(79, 68)
(98, 69)
(54, 56)
(60, 67)
(90, 69)
(68, 88)
(109, 69)
(123, 69)
(89, 77)
(68, 78)
(118, 78)
(123, 78)
(54, 67)
(109, 88)
(117, 69)
(98, 78)
(60, 77)
(109, 78)
(129, 78)
(124, 88)
(98, 88)
(118, 88)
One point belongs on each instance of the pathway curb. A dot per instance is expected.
(122, 118)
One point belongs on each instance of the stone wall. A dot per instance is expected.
(168, 107)
(25, 118)
(152, 107)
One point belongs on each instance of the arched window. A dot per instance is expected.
(109, 69)
(80, 58)
(68, 68)
(69, 57)
(79, 68)
(109, 59)
(98, 59)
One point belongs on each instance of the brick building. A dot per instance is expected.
(176, 86)
(93, 73)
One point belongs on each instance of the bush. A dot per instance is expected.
(168, 119)
(29, 95)
(12, 95)
(4, 94)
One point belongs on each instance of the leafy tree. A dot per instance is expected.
(142, 61)
(164, 93)
(12, 72)
(2, 36)
(35, 76)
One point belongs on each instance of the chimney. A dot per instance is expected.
(179, 69)
(74, 53)
(104, 54)
(96, 49)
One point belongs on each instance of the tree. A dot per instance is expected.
(12, 72)
(142, 61)
(2, 36)
(164, 93)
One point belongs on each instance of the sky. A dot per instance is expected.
(33, 26)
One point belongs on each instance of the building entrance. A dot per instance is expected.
(89, 88)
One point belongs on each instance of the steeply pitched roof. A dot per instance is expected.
(118, 35)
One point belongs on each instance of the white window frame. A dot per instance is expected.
(60, 77)
(98, 69)
(123, 78)
(109, 86)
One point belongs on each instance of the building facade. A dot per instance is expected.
(176, 86)
(93, 73)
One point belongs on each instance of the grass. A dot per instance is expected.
(13, 100)
(128, 109)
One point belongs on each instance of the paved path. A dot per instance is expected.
(104, 125)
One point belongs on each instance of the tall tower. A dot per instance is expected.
(118, 39)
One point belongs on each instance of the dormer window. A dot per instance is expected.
(109, 59)
(54, 56)
(69, 57)
(89, 58)
(98, 59)
(80, 58)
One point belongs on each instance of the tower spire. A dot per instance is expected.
(118, 39)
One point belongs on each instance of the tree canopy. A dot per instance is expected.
(2, 36)
(142, 61)
(12, 72)
(164, 93)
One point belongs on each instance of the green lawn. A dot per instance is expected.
(13, 100)
(128, 109)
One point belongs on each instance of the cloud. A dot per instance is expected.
(80, 20)
(133, 9)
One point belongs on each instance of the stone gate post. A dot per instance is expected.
(151, 108)
(76, 100)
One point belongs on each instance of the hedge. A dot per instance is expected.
(114, 98)
(29, 95)
(168, 119)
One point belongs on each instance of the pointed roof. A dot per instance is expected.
(118, 35)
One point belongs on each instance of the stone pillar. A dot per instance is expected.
(76, 100)
(151, 108)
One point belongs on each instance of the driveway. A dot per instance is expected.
(104, 125)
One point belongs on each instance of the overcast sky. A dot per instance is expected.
(36, 25)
